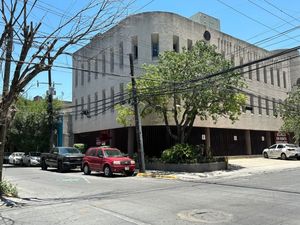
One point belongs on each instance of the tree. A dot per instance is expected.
(29, 130)
(178, 90)
(26, 47)
(289, 111)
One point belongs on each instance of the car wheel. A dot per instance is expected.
(60, 167)
(283, 156)
(43, 165)
(266, 155)
(129, 173)
(86, 170)
(107, 171)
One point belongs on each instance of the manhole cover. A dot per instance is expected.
(205, 216)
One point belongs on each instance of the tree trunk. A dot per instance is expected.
(3, 131)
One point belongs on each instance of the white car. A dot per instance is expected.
(16, 158)
(282, 150)
(31, 159)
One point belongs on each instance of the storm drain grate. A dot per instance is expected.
(205, 216)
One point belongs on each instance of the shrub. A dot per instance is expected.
(180, 153)
(8, 189)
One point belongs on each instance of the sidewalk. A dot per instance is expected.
(237, 167)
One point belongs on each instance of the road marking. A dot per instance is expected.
(86, 180)
(125, 218)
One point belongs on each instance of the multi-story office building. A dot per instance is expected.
(103, 72)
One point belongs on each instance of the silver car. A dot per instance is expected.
(16, 158)
(282, 150)
(31, 159)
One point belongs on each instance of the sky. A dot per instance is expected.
(248, 20)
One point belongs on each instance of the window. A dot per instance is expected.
(82, 105)
(135, 50)
(89, 105)
(232, 59)
(103, 64)
(250, 72)
(76, 77)
(76, 108)
(190, 44)
(96, 67)
(122, 93)
(96, 103)
(257, 72)
(241, 63)
(100, 153)
(267, 106)
(121, 55)
(175, 43)
(274, 107)
(155, 45)
(278, 77)
(284, 79)
(252, 103)
(89, 71)
(272, 76)
(259, 105)
(103, 101)
(82, 74)
(112, 99)
(112, 60)
(265, 75)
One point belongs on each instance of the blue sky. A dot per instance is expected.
(249, 20)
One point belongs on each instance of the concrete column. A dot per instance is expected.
(130, 141)
(268, 137)
(113, 138)
(248, 142)
(207, 139)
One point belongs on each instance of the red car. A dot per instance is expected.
(107, 160)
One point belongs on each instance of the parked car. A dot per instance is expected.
(62, 158)
(107, 160)
(16, 158)
(282, 150)
(31, 159)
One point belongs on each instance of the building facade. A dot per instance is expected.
(102, 72)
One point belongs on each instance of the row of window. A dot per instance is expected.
(267, 105)
(99, 106)
(254, 72)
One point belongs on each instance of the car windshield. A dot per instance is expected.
(19, 154)
(291, 146)
(112, 153)
(35, 154)
(65, 151)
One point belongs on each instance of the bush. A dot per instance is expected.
(8, 189)
(180, 153)
(184, 153)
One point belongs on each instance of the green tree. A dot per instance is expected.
(289, 111)
(178, 90)
(29, 130)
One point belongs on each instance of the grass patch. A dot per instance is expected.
(8, 189)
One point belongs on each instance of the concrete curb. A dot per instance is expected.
(155, 175)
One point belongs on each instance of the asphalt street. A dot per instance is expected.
(48, 197)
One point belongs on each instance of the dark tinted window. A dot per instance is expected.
(100, 153)
(280, 146)
(273, 146)
(112, 153)
(91, 152)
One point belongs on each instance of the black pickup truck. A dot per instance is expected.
(62, 158)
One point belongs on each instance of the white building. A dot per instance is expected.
(103, 72)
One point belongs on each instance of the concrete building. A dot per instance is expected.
(103, 72)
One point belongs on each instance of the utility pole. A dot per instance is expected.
(50, 104)
(138, 127)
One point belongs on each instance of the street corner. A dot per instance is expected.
(158, 174)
